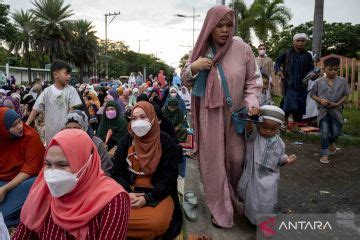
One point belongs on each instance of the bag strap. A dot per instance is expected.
(228, 98)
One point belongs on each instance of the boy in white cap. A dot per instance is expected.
(265, 153)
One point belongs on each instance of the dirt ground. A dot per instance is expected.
(309, 186)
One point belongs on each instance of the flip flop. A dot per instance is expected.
(191, 198)
(190, 211)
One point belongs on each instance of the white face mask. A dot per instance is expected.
(173, 94)
(140, 127)
(262, 52)
(61, 182)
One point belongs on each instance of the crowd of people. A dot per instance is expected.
(96, 161)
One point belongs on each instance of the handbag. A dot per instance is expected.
(236, 116)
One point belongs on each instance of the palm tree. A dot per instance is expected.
(318, 27)
(52, 28)
(243, 19)
(84, 44)
(268, 16)
(24, 23)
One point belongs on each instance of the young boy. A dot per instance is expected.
(265, 153)
(56, 100)
(330, 93)
(265, 98)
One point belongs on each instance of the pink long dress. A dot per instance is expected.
(220, 148)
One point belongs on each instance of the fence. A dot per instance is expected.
(349, 69)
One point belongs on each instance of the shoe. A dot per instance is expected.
(324, 159)
(332, 149)
(191, 198)
(190, 211)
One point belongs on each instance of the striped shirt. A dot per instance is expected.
(110, 223)
(56, 105)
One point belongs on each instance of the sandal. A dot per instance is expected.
(324, 161)
(214, 223)
(191, 198)
(190, 211)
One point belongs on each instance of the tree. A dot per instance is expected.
(268, 16)
(24, 22)
(243, 19)
(7, 30)
(318, 27)
(183, 60)
(52, 28)
(339, 38)
(84, 44)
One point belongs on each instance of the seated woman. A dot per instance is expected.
(72, 198)
(21, 159)
(78, 119)
(173, 92)
(113, 125)
(145, 164)
(173, 113)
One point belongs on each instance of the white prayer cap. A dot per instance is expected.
(272, 113)
(299, 35)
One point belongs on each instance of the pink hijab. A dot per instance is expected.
(73, 211)
(214, 93)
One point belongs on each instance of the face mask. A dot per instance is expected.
(61, 182)
(111, 114)
(140, 127)
(262, 52)
(173, 94)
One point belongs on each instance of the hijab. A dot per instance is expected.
(148, 148)
(117, 125)
(213, 92)
(73, 211)
(117, 100)
(175, 117)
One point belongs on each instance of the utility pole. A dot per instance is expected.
(141, 40)
(193, 16)
(114, 14)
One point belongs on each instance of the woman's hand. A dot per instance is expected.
(201, 64)
(253, 111)
(137, 200)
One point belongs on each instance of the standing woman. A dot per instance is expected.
(72, 198)
(220, 148)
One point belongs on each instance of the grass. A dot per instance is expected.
(351, 130)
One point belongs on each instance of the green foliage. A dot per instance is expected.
(339, 38)
(6, 28)
(123, 61)
(183, 60)
(265, 17)
(52, 28)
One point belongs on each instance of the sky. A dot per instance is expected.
(170, 37)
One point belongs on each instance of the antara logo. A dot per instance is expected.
(305, 225)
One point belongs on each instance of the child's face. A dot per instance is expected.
(265, 84)
(268, 128)
(331, 71)
(62, 76)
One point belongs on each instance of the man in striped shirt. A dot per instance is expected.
(56, 101)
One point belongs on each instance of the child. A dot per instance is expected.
(330, 93)
(265, 98)
(56, 101)
(265, 153)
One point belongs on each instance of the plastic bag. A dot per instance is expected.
(4, 233)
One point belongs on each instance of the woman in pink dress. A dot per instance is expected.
(220, 148)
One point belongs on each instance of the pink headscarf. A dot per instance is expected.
(214, 93)
(73, 211)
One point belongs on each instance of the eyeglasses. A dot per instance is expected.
(300, 40)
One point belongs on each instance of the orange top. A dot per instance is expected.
(25, 154)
